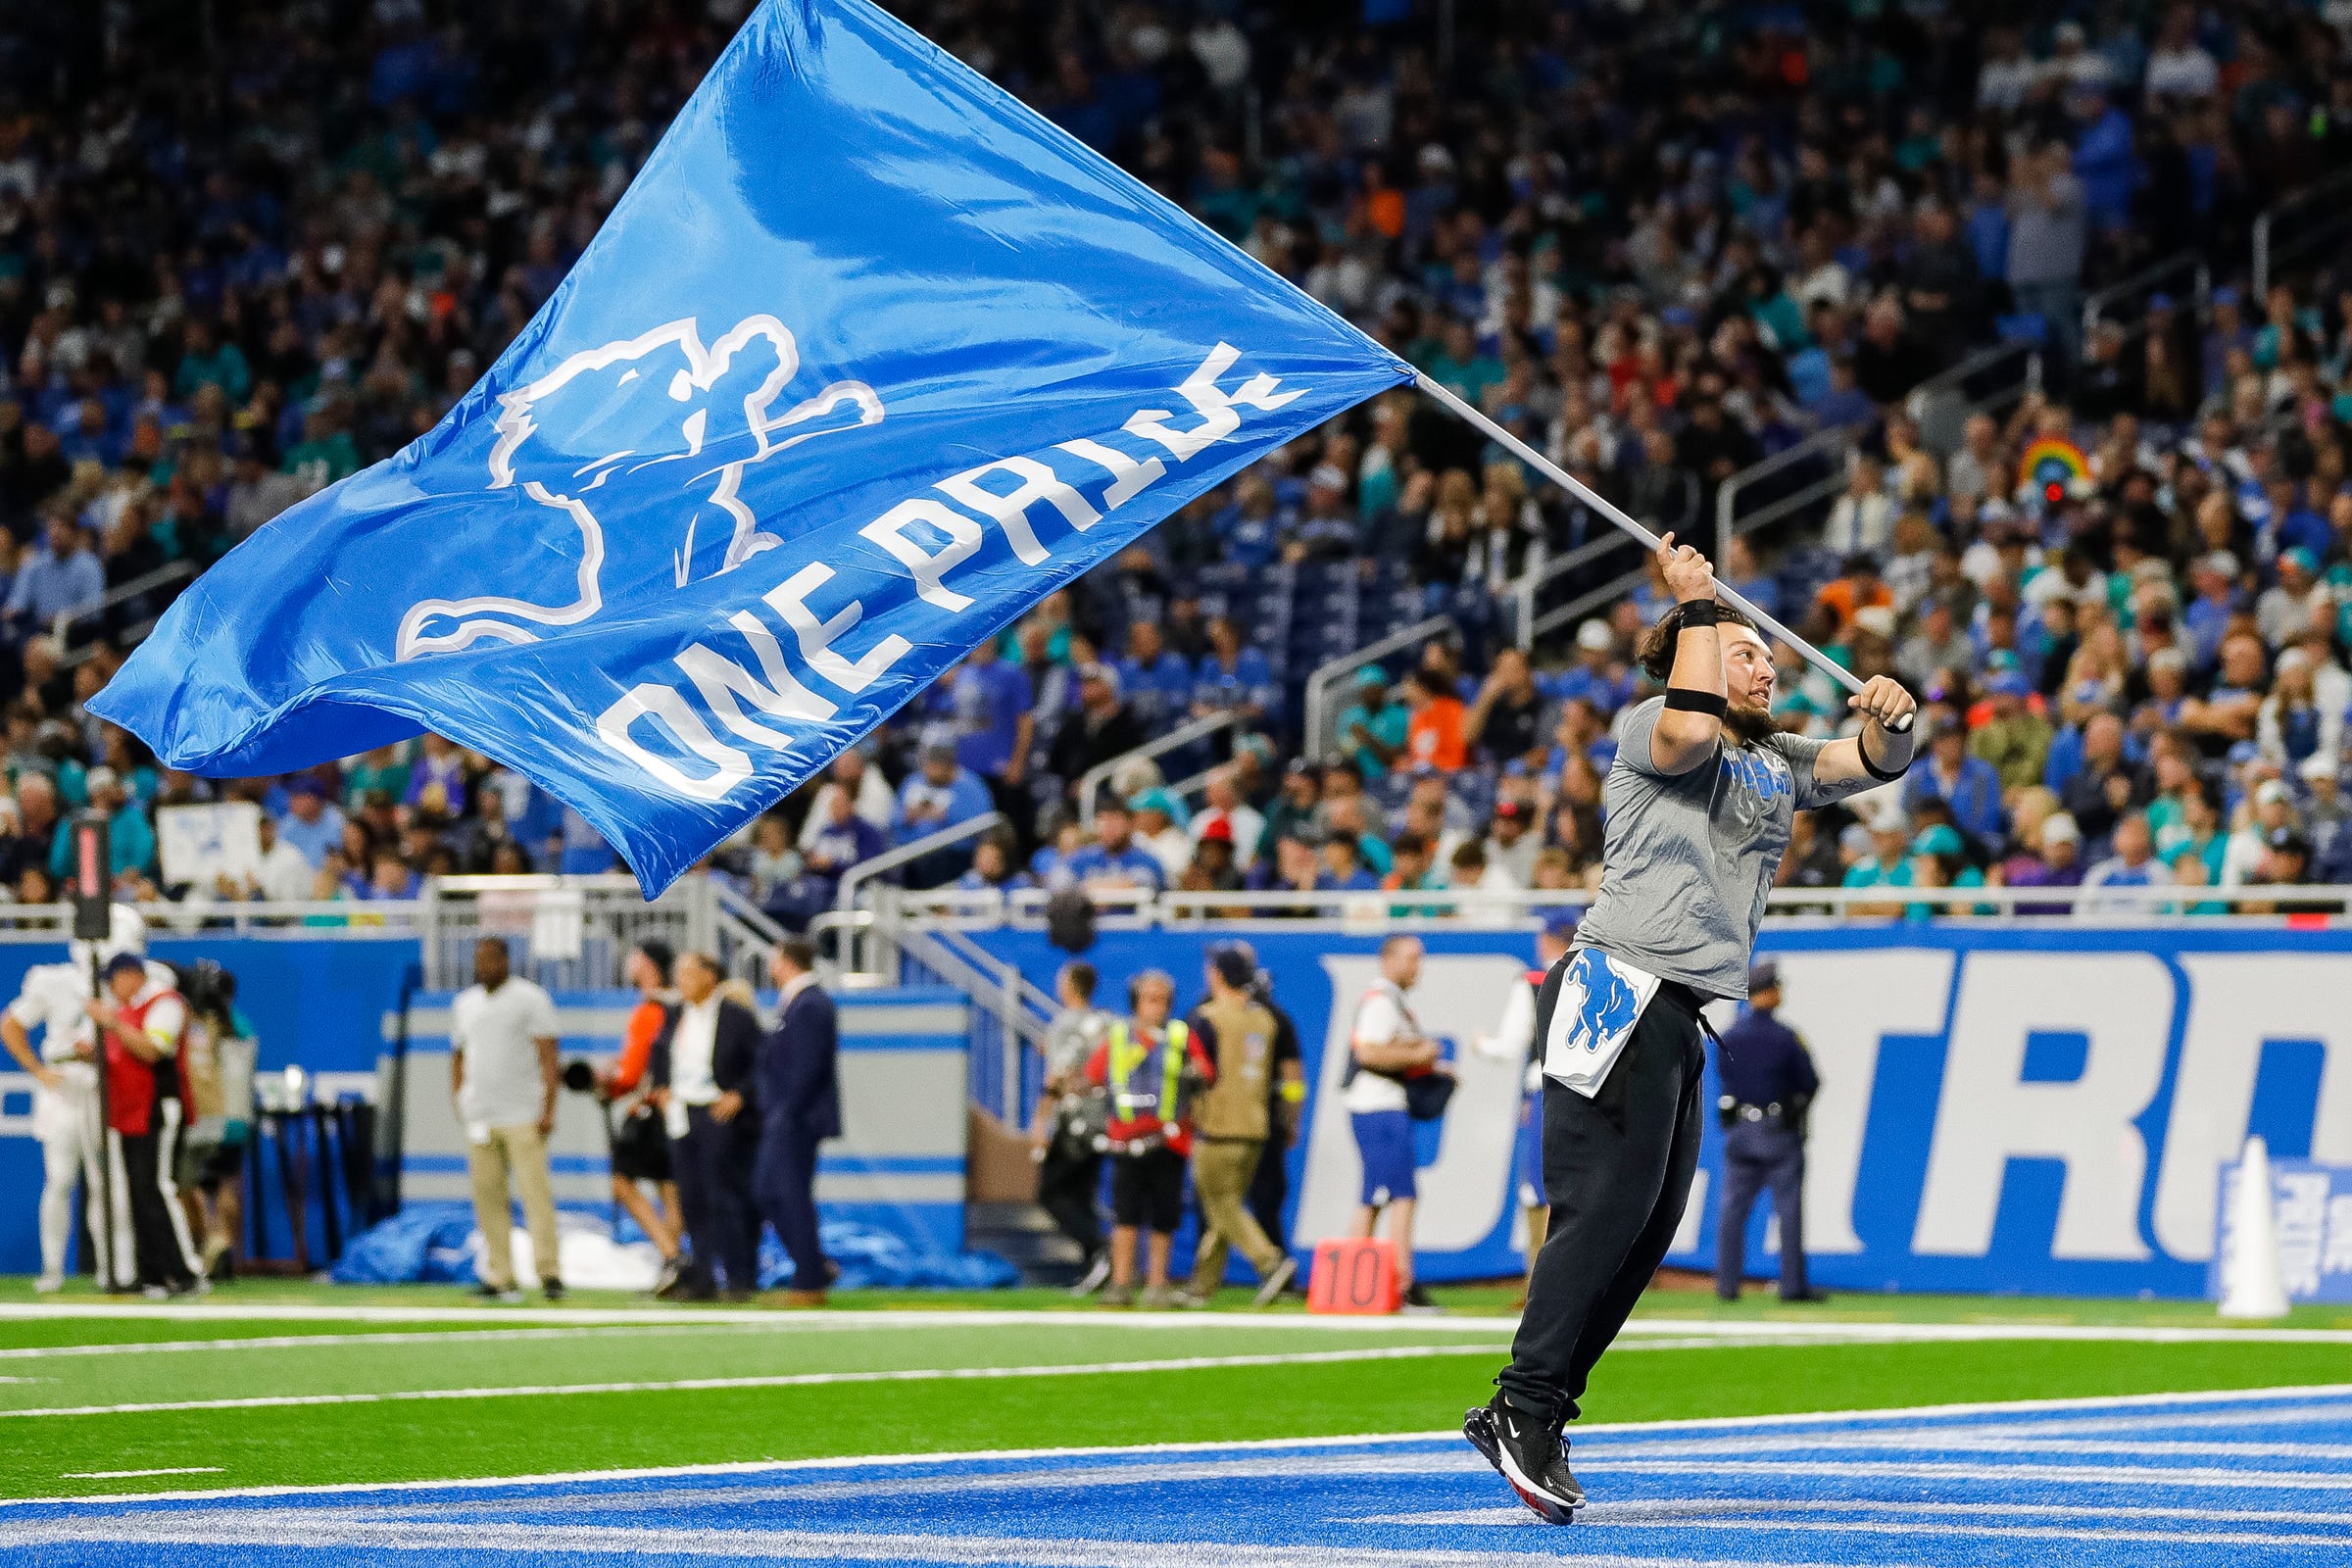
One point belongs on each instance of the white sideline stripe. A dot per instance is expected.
(1675, 1514)
(864, 1318)
(780, 1379)
(1602, 1516)
(2071, 1475)
(127, 1475)
(295, 1342)
(552, 1543)
(868, 1461)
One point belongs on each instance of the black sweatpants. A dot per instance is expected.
(1069, 1188)
(1617, 1171)
(146, 1174)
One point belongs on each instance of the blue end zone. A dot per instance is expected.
(2242, 1481)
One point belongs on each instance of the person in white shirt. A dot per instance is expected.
(503, 1076)
(1383, 1047)
(65, 1111)
(65, 1097)
(1514, 1040)
(284, 875)
(704, 1068)
(1226, 804)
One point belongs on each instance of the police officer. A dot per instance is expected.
(1768, 1081)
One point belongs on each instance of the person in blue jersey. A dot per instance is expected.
(1115, 862)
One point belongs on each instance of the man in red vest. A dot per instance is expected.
(140, 1020)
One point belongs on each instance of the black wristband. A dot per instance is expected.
(1691, 700)
(1862, 750)
(1695, 613)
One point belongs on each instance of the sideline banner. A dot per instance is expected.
(2034, 1110)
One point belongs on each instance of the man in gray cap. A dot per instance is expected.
(1700, 801)
(1768, 1081)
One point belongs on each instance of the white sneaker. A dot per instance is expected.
(49, 1284)
(1097, 1276)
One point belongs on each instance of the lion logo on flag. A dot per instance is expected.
(652, 433)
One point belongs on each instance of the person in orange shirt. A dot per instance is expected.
(640, 1144)
(1433, 735)
(1856, 587)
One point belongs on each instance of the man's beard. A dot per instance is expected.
(1749, 725)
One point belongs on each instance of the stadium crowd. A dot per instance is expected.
(2126, 599)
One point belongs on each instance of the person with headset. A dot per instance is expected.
(1153, 1064)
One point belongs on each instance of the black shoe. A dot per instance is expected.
(1417, 1299)
(1804, 1297)
(1531, 1454)
(553, 1290)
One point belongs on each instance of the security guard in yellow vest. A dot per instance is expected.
(1154, 1067)
(1230, 1124)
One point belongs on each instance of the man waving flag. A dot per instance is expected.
(869, 360)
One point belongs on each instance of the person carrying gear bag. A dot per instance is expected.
(1153, 1066)
(1231, 1124)
(1071, 1127)
(1386, 1052)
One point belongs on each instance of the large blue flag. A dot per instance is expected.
(867, 359)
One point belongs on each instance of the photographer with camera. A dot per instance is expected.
(1153, 1066)
(217, 1056)
(1072, 1124)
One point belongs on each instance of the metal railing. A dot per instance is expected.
(1090, 783)
(577, 929)
(60, 624)
(746, 934)
(2185, 271)
(1319, 739)
(1833, 447)
(1986, 382)
(1009, 1017)
(1524, 594)
(853, 880)
(2271, 249)
(1389, 908)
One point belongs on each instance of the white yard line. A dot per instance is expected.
(133, 1475)
(1703, 1329)
(298, 1342)
(553, 1542)
(782, 1380)
(748, 1467)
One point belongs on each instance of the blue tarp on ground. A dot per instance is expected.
(431, 1244)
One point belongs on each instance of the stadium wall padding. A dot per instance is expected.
(2006, 1108)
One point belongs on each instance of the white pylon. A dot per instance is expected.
(2253, 1286)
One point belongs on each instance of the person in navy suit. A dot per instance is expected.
(800, 1098)
(705, 1071)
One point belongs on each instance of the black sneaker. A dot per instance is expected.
(1531, 1454)
(1417, 1300)
(553, 1290)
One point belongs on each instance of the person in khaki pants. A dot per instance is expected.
(1230, 1127)
(502, 1074)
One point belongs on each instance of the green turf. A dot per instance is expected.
(526, 1434)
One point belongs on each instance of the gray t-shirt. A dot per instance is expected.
(1688, 859)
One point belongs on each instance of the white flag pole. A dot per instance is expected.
(1585, 493)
